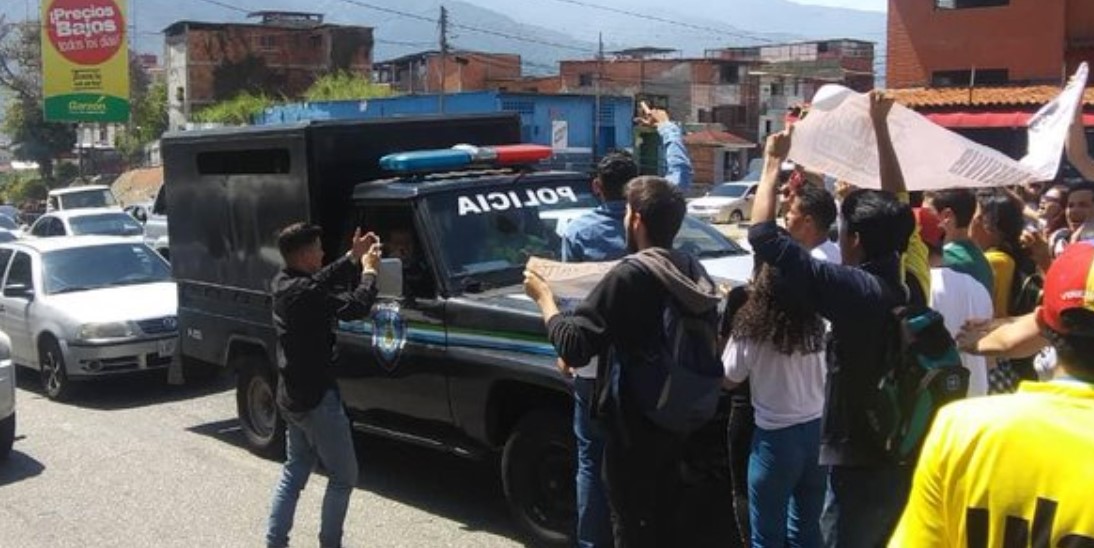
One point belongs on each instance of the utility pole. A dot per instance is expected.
(444, 55)
(596, 108)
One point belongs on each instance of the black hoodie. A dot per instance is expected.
(624, 312)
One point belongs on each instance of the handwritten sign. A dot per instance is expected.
(570, 281)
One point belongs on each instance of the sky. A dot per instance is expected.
(872, 5)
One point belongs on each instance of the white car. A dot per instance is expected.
(7, 398)
(80, 197)
(724, 259)
(153, 215)
(725, 203)
(86, 307)
(83, 222)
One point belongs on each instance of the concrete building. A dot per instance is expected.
(982, 67)
(281, 55)
(569, 124)
(459, 71)
(786, 75)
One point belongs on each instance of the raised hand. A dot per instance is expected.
(650, 117)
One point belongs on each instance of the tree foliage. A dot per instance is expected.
(237, 111)
(149, 121)
(345, 86)
(33, 139)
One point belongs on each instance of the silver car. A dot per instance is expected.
(86, 307)
(7, 398)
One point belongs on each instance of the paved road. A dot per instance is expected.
(139, 463)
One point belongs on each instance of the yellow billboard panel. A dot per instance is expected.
(85, 61)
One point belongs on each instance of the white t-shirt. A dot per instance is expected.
(959, 297)
(786, 389)
(828, 251)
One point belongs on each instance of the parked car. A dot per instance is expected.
(725, 203)
(153, 215)
(86, 307)
(83, 222)
(7, 398)
(724, 259)
(80, 197)
(10, 229)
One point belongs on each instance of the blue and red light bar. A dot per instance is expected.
(465, 156)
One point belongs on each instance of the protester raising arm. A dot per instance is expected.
(916, 258)
(678, 168)
(767, 197)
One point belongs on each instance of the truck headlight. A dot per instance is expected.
(109, 330)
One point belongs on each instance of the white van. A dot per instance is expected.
(80, 197)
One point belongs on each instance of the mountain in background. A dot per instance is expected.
(541, 31)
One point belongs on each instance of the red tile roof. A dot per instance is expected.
(980, 97)
(717, 138)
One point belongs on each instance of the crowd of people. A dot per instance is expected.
(802, 346)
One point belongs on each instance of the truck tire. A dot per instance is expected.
(7, 436)
(256, 406)
(538, 475)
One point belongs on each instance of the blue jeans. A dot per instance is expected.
(594, 526)
(786, 486)
(863, 504)
(322, 434)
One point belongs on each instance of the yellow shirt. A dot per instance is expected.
(1025, 458)
(916, 258)
(1002, 267)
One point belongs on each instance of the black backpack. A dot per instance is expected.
(925, 373)
(678, 388)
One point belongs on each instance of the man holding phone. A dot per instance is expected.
(306, 304)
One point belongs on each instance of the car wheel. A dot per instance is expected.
(538, 471)
(51, 364)
(256, 406)
(736, 216)
(7, 436)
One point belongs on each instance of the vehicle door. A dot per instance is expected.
(16, 301)
(393, 361)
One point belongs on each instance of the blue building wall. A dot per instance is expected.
(539, 116)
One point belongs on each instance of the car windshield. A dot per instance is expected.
(487, 234)
(109, 224)
(96, 197)
(704, 241)
(728, 191)
(95, 267)
(7, 223)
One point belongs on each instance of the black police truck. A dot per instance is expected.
(456, 358)
(454, 355)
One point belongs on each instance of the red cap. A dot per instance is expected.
(1069, 287)
(930, 226)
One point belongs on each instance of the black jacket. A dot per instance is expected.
(858, 302)
(305, 310)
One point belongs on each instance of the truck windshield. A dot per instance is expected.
(490, 232)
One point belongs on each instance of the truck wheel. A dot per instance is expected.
(7, 436)
(256, 405)
(51, 365)
(537, 470)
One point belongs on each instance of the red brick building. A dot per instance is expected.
(281, 56)
(981, 67)
(430, 72)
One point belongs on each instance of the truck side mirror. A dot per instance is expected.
(389, 278)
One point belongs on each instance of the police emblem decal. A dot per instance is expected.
(388, 334)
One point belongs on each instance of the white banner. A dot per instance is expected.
(837, 138)
(570, 281)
